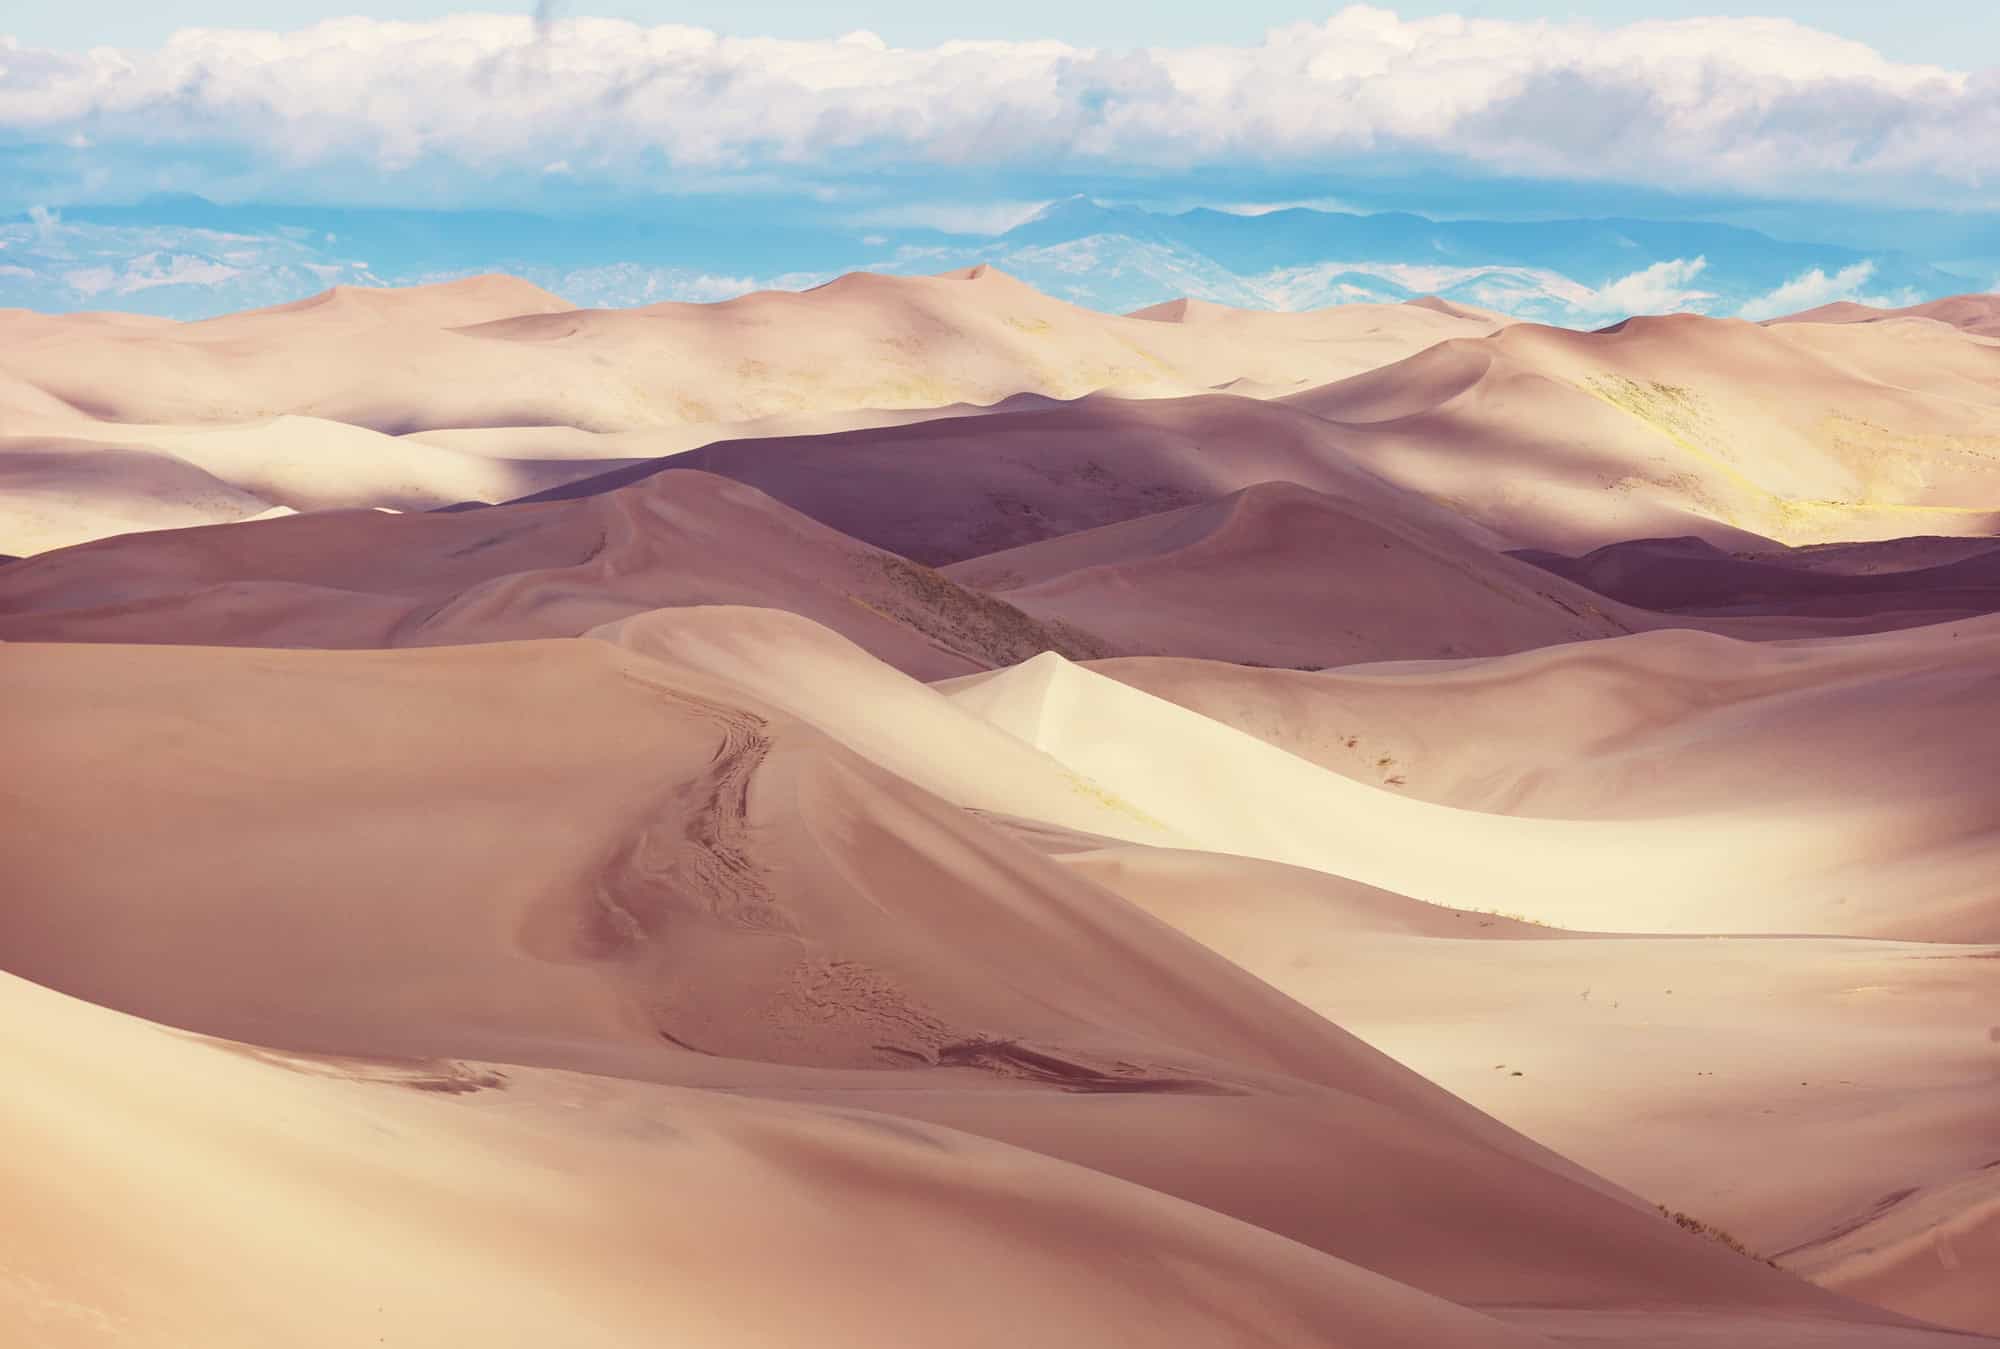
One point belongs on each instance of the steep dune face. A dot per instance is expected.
(608, 864)
(1281, 575)
(1724, 426)
(360, 579)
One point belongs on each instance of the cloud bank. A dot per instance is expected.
(1751, 105)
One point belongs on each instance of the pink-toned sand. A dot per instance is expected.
(667, 910)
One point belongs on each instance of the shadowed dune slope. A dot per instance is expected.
(1281, 575)
(490, 389)
(1533, 437)
(1929, 580)
(368, 579)
(946, 491)
(604, 863)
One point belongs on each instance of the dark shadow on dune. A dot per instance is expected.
(1925, 575)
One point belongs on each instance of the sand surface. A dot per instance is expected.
(935, 817)
(490, 388)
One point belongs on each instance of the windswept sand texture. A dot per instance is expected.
(942, 818)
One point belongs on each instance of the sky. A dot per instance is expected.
(908, 111)
(1945, 32)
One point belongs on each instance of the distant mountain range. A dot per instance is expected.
(185, 257)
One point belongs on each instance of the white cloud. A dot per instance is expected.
(1811, 289)
(147, 272)
(954, 218)
(1761, 104)
(1663, 288)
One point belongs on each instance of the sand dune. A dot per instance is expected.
(171, 477)
(1801, 432)
(1281, 575)
(653, 1212)
(62, 491)
(1532, 437)
(495, 352)
(944, 491)
(1664, 724)
(294, 401)
(1722, 426)
(556, 874)
(668, 909)
(1977, 314)
(1778, 1088)
(1877, 866)
(366, 579)
(1918, 580)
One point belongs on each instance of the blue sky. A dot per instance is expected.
(1958, 33)
(751, 135)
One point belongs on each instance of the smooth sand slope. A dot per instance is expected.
(1281, 575)
(1884, 864)
(1829, 1102)
(460, 1203)
(1826, 1102)
(368, 579)
(607, 863)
